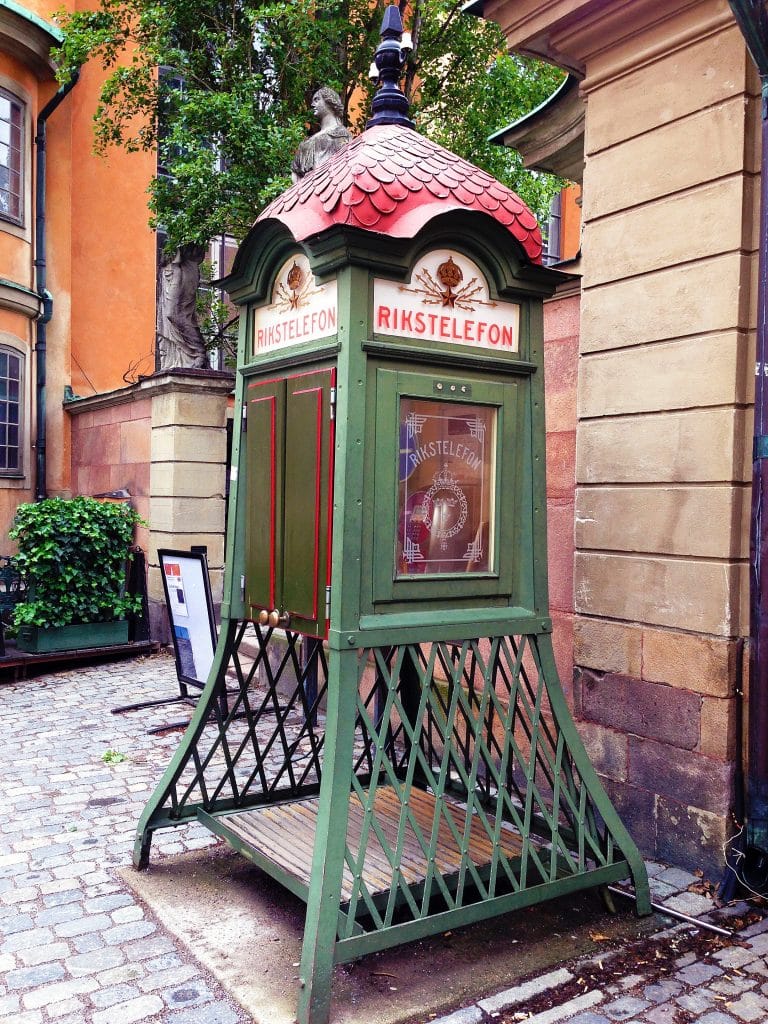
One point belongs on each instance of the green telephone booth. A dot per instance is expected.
(399, 754)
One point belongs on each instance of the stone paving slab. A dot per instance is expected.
(717, 980)
(80, 945)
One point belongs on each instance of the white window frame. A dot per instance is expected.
(15, 216)
(6, 426)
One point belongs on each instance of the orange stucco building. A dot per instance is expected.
(82, 235)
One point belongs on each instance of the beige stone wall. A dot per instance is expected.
(666, 338)
(561, 357)
(163, 440)
(663, 438)
(188, 455)
(663, 441)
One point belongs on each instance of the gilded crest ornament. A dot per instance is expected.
(295, 277)
(449, 275)
(448, 505)
(295, 289)
(445, 290)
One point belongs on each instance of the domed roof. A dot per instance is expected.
(392, 181)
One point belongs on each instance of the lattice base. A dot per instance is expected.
(281, 840)
(398, 790)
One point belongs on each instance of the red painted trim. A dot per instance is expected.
(272, 490)
(318, 392)
(331, 465)
(306, 373)
(263, 383)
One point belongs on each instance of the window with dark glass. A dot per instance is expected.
(11, 157)
(10, 412)
(552, 234)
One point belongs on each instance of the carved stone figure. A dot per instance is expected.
(328, 109)
(179, 338)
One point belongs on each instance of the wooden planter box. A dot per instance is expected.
(78, 636)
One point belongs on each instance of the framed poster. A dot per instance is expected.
(190, 613)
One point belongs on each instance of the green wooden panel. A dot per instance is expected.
(264, 522)
(307, 486)
(393, 387)
(78, 636)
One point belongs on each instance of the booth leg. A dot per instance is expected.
(322, 919)
(589, 778)
(141, 849)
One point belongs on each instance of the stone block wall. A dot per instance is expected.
(164, 440)
(561, 357)
(664, 424)
(659, 713)
(663, 435)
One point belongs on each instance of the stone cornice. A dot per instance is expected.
(26, 36)
(601, 41)
(551, 138)
(176, 380)
(572, 284)
(19, 299)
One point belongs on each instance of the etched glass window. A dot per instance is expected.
(446, 487)
(11, 157)
(10, 412)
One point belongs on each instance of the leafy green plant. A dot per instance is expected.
(113, 757)
(72, 555)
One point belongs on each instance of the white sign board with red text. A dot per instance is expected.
(447, 299)
(301, 310)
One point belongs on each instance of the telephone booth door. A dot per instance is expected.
(290, 468)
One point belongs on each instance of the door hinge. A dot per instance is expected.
(333, 403)
(244, 423)
(327, 603)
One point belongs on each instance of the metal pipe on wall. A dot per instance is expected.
(46, 299)
(752, 868)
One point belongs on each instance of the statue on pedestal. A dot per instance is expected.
(179, 339)
(329, 110)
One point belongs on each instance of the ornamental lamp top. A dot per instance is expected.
(390, 105)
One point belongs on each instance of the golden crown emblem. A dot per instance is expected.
(295, 277)
(449, 273)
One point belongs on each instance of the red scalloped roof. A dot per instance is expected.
(392, 181)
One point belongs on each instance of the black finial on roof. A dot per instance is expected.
(389, 103)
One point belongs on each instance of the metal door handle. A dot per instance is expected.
(274, 618)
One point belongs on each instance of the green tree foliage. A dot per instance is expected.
(233, 104)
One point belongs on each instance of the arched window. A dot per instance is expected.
(11, 157)
(11, 407)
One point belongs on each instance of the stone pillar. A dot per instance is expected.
(561, 357)
(162, 441)
(666, 368)
(663, 454)
(188, 467)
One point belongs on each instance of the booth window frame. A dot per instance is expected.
(387, 587)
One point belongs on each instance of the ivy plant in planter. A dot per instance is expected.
(72, 555)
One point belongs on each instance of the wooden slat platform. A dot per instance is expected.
(284, 835)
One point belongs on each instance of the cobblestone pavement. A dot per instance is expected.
(682, 975)
(77, 947)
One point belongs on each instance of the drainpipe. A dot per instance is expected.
(753, 868)
(46, 298)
